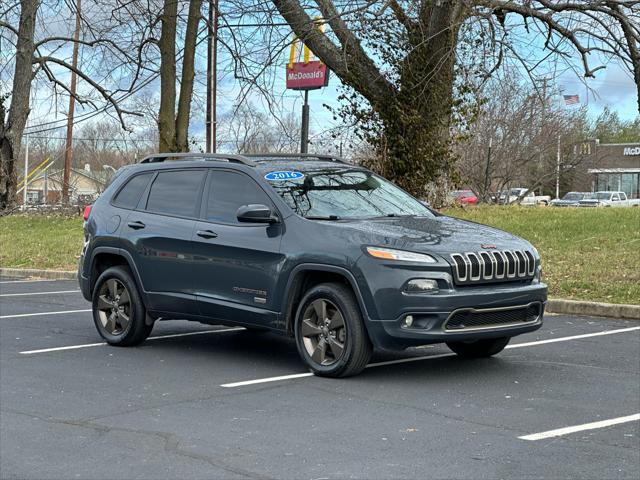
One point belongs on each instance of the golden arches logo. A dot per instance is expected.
(296, 44)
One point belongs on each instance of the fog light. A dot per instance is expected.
(408, 321)
(421, 285)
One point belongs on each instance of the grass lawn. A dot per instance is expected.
(587, 254)
(37, 241)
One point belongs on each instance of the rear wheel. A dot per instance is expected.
(479, 348)
(330, 333)
(118, 311)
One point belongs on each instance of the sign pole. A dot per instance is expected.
(212, 61)
(304, 130)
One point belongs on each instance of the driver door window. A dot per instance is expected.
(227, 192)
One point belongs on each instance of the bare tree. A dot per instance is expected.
(514, 140)
(110, 69)
(248, 130)
(13, 123)
(174, 126)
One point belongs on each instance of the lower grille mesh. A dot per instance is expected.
(477, 318)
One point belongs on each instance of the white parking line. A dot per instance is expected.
(580, 428)
(34, 281)
(158, 337)
(310, 374)
(574, 337)
(37, 293)
(19, 315)
(430, 357)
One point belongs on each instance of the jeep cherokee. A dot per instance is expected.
(306, 245)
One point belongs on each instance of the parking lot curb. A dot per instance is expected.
(593, 309)
(41, 274)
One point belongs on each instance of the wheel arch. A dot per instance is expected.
(305, 276)
(106, 257)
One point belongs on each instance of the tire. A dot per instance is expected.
(115, 299)
(338, 345)
(479, 348)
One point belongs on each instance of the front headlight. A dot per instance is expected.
(400, 255)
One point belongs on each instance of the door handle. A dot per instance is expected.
(206, 234)
(137, 225)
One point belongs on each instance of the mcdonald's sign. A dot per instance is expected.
(307, 74)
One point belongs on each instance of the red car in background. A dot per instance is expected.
(465, 197)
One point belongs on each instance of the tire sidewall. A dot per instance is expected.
(331, 294)
(137, 312)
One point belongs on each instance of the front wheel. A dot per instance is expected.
(330, 333)
(479, 348)
(118, 311)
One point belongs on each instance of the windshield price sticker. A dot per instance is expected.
(282, 176)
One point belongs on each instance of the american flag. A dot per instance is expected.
(571, 99)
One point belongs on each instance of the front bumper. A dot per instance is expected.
(389, 307)
(432, 328)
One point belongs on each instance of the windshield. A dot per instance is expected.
(334, 194)
(602, 195)
(574, 196)
(516, 192)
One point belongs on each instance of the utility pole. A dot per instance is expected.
(68, 151)
(485, 187)
(212, 61)
(26, 173)
(304, 130)
(558, 170)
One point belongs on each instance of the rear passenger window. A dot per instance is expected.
(228, 191)
(175, 193)
(129, 195)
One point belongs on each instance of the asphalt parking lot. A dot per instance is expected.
(197, 401)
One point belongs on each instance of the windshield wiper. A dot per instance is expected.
(322, 217)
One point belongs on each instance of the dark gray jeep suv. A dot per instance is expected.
(306, 245)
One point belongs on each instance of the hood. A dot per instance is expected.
(440, 235)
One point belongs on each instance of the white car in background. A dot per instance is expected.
(528, 197)
(570, 199)
(609, 199)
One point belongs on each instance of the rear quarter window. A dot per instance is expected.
(130, 194)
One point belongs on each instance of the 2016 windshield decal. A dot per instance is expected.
(284, 175)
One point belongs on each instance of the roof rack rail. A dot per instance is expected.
(216, 157)
(300, 156)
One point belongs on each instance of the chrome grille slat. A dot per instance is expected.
(492, 266)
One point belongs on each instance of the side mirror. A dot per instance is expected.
(256, 213)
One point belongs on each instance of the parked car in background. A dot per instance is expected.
(609, 199)
(528, 197)
(464, 197)
(570, 199)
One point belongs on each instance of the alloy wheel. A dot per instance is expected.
(323, 332)
(114, 307)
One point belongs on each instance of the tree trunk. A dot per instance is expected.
(174, 127)
(417, 124)
(11, 130)
(167, 45)
(188, 74)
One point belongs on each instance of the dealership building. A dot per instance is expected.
(607, 166)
